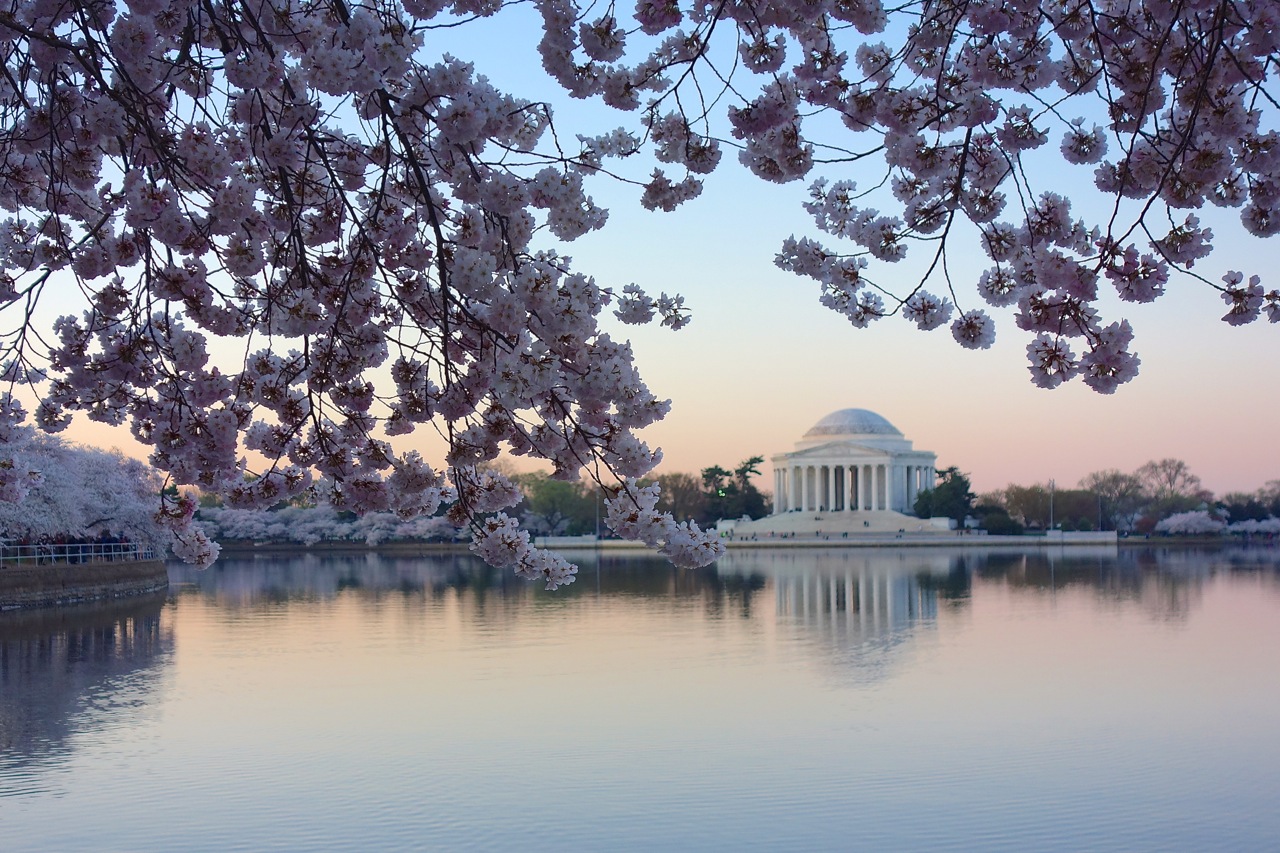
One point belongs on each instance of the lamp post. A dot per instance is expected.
(1051, 487)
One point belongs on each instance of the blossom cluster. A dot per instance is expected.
(502, 544)
(206, 180)
(633, 514)
(960, 112)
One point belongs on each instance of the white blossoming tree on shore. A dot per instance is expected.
(82, 492)
(313, 525)
(369, 222)
(1194, 523)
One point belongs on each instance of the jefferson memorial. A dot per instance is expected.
(852, 473)
(850, 460)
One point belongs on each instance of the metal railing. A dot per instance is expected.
(51, 553)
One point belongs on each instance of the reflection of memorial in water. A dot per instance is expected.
(867, 602)
(70, 671)
(861, 609)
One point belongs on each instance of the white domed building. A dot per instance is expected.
(853, 472)
(851, 460)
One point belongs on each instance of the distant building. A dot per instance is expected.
(851, 460)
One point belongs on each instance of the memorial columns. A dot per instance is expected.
(851, 487)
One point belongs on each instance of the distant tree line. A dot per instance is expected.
(1133, 502)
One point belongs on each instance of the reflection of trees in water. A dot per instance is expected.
(274, 578)
(73, 670)
(238, 581)
(1200, 560)
(955, 587)
(485, 596)
(1129, 578)
(1165, 581)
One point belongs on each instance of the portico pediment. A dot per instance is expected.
(838, 450)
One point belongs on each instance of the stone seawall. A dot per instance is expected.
(72, 583)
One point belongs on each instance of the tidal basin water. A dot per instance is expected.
(787, 700)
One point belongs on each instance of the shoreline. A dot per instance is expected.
(59, 584)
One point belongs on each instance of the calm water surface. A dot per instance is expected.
(793, 700)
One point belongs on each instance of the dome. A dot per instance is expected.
(852, 422)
